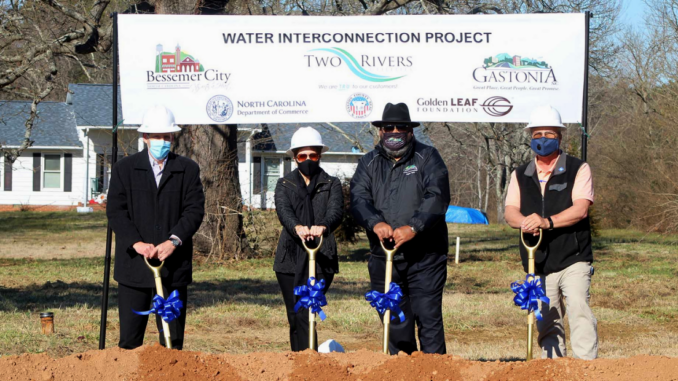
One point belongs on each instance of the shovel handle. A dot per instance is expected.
(311, 273)
(533, 248)
(389, 253)
(158, 287)
(387, 285)
(530, 265)
(312, 251)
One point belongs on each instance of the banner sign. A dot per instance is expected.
(297, 69)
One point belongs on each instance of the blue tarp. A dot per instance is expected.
(459, 215)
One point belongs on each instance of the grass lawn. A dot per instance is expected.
(53, 262)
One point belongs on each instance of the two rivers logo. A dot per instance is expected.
(355, 67)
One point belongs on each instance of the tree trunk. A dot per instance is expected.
(215, 149)
(499, 191)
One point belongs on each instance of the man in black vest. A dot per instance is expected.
(554, 193)
(400, 192)
(155, 206)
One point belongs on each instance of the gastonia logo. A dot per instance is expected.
(504, 68)
(340, 57)
(178, 69)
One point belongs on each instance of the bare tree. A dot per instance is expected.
(34, 34)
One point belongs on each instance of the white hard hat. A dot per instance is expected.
(330, 346)
(158, 120)
(545, 116)
(306, 137)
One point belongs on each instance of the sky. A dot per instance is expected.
(633, 13)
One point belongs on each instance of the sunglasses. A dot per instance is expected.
(399, 127)
(302, 157)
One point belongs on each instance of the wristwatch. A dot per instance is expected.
(175, 242)
(413, 229)
(550, 223)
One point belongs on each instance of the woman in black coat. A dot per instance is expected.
(309, 203)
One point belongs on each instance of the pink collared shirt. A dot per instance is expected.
(582, 188)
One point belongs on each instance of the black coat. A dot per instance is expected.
(328, 210)
(139, 210)
(412, 191)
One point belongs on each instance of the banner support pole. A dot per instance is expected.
(114, 158)
(585, 104)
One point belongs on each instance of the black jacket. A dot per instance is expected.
(328, 210)
(139, 210)
(412, 191)
(561, 247)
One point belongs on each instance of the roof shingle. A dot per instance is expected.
(54, 126)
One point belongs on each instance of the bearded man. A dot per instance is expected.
(400, 193)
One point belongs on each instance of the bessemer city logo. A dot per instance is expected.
(504, 68)
(178, 69)
(219, 108)
(359, 106)
(340, 57)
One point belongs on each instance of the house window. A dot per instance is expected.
(52, 172)
(271, 173)
(171, 60)
(164, 60)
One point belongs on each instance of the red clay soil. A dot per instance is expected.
(156, 363)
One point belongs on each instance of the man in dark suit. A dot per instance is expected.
(155, 206)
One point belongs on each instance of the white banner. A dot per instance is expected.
(296, 69)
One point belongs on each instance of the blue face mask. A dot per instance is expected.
(544, 146)
(160, 148)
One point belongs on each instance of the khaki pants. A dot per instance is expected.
(574, 284)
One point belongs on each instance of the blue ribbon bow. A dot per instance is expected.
(528, 295)
(388, 301)
(312, 297)
(168, 310)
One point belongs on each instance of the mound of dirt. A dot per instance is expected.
(155, 363)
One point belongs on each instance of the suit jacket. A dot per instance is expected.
(140, 210)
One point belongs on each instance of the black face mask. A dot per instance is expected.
(309, 167)
(394, 140)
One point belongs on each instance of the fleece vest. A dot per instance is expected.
(560, 247)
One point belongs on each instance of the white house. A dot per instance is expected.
(69, 161)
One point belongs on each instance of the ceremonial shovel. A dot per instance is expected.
(158, 286)
(311, 273)
(387, 285)
(530, 270)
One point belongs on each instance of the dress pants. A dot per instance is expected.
(133, 326)
(574, 284)
(298, 321)
(422, 283)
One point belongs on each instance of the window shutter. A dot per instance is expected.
(68, 172)
(36, 172)
(8, 175)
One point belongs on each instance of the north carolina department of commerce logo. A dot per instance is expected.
(359, 106)
(219, 108)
